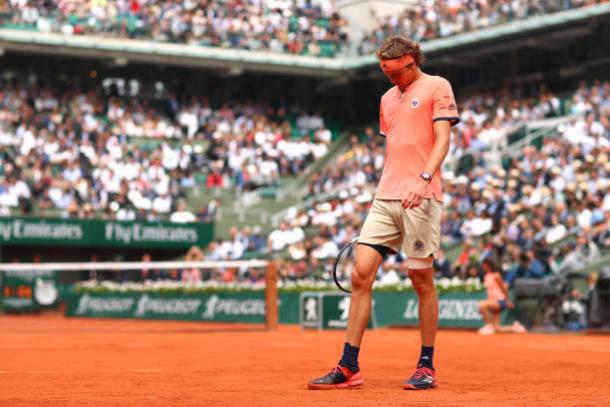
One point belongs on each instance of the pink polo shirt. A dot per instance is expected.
(406, 120)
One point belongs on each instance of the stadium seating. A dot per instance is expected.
(527, 213)
(427, 20)
(84, 152)
(313, 28)
(544, 211)
(308, 28)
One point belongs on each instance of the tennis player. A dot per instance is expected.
(416, 116)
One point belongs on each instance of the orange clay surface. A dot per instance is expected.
(50, 360)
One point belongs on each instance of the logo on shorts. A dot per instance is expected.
(418, 245)
(414, 103)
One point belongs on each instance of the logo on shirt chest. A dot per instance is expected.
(414, 103)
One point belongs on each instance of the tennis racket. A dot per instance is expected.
(344, 265)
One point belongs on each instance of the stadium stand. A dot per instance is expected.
(74, 149)
(538, 201)
(79, 163)
(314, 28)
(524, 216)
(428, 19)
(303, 28)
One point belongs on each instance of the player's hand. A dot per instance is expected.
(509, 304)
(415, 195)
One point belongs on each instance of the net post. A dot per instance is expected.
(271, 300)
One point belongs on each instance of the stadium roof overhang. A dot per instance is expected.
(471, 45)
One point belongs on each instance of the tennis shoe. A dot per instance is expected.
(340, 377)
(423, 379)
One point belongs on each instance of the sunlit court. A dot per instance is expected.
(54, 361)
(304, 203)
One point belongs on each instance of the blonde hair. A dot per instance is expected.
(398, 46)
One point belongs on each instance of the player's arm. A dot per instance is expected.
(442, 138)
(383, 126)
(442, 135)
(444, 115)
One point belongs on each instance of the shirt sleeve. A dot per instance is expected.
(383, 127)
(443, 104)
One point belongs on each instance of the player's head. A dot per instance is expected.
(400, 59)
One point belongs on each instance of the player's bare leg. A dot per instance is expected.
(368, 261)
(423, 282)
(347, 373)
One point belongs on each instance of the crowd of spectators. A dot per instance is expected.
(72, 149)
(545, 212)
(68, 148)
(428, 19)
(489, 118)
(65, 148)
(302, 27)
(486, 122)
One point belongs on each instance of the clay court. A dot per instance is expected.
(54, 361)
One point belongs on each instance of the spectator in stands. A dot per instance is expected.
(257, 242)
(527, 267)
(103, 167)
(556, 231)
(233, 248)
(279, 238)
(192, 275)
(120, 275)
(547, 194)
(475, 225)
(452, 227)
(207, 213)
(580, 254)
(429, 19)
(469, 254)
(472, 272)
(246, 239)
(312, 28)
(324, 248)
(215, 179)
(182, 214)
(442, 265)
(387, 274)
(147, 274)
(602, 231)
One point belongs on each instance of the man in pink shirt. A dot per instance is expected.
(415, 117)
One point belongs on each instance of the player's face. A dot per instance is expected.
(404, 76)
